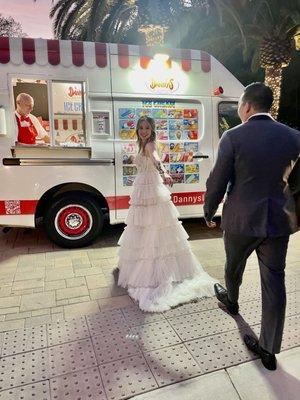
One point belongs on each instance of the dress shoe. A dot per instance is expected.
(222, 296)
(268, 359)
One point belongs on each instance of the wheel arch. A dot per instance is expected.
(69, 188)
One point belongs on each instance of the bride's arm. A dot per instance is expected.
(152, 153)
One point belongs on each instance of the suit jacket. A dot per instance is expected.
(252, 167)
(294, 184)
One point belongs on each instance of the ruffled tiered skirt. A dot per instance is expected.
(156, 263)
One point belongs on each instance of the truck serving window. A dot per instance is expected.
(68, 114)
(31, 111)
(227, 116)
(60, 123)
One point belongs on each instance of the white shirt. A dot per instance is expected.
(261, 113)
(36, 123)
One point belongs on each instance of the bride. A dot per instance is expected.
(156, 264)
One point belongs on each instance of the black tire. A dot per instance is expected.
(73, 220)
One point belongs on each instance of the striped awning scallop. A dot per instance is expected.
(54, 52)
(124, 51)
(90, 54)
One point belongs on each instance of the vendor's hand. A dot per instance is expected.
(168, 180)
(46, 139)
(211, 224)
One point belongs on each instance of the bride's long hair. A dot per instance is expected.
(151, 122)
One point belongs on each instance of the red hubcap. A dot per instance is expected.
(73, 221)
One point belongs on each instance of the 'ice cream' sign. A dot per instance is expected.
(75, 95)
(72, 106)
(67, 98)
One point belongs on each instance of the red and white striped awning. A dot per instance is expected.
(53, 52)
(125, 51)
(67, 53)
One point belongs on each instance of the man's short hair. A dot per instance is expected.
(24, 96)
(259, 95)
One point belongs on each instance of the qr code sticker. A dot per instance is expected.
(12, 207)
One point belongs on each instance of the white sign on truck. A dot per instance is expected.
(72, 161)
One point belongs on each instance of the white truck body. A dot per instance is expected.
(88, 97)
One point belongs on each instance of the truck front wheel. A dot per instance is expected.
(73, 221)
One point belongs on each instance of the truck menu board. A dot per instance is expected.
(177, 138)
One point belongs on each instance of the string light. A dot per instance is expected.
(111, 3)
(297, 38)
(273, 79)
(154, 34)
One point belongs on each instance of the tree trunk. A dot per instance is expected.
(273, 78)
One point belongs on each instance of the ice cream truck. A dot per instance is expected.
(87, 99)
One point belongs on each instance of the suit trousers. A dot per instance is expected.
(271, 253)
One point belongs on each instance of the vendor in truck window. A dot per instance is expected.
(30, 130)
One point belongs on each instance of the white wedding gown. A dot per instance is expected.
(156, 263)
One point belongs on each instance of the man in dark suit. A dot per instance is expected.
(253, 164)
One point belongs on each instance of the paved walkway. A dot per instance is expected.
(69, 333)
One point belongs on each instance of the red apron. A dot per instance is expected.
(26, 134)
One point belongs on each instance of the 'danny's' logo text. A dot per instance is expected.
(167, 85)
(73, 91)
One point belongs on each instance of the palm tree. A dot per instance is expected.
(272, 27)
(98, 19)
(268, 28)
(75, 19)
(111, 20)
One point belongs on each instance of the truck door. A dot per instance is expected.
(184, 141)
(225, 116)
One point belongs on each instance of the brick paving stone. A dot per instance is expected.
(86, 308)
(24, 340)
(9, 310)
(64, 273)
(19, 315)
(42, 311)
(127, 377)
(22, 292)
(96, 281)
(28, 284)
(5, 290)
(100, 293)
(24, 368)
(38, 390)
(154, 335)
(111, 303)
(76, 282)
(58, 284)
(38, 320)
(37, 301)
(35, 274)
(67, 331)
(72, 356)
(58, 309)
(58, 317)
(81, 299)
(10, 301)
(114, 345)
(86, 271)
(172, 364)
(71, 292)
(81, 385)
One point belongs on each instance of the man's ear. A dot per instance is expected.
(248, 107)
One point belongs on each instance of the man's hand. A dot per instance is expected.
(211, 224)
